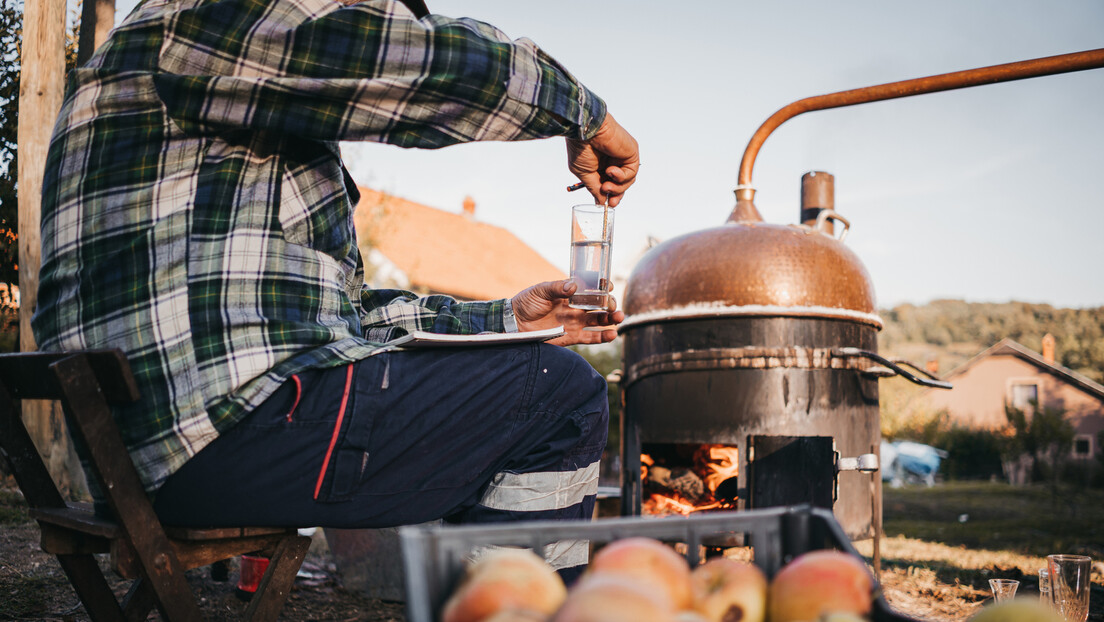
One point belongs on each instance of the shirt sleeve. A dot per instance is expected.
(393, 313)
(370, 71)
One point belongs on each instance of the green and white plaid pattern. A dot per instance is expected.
(196, 213)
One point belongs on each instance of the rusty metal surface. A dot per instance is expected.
(750, 269)
(726, 405)
(748, 357)
(1063, 63)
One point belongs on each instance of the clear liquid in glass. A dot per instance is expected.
(590, 266)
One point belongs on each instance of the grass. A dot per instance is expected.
(943, 544)
(13, 511)
(1029, 520)
(24, 598)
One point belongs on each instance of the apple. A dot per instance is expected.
(505, 579)
(819, 583)
(725, 590)
(614, 598)
(650, 563)
(1018, 610)
(842, 617)
(517, 615)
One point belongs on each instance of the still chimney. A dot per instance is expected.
(469, 208)
(818, 193)
(1048, 348)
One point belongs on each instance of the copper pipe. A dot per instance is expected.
(1063, 63)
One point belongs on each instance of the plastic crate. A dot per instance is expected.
(434, 557)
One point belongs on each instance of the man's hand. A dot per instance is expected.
(607, 163)
(545, 306)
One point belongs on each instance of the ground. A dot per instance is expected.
(942, 546)
(33, 586)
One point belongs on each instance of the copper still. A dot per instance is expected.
(743, 330)
(763, 337)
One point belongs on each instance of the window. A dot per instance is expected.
(1082, 446)
(1023, 394)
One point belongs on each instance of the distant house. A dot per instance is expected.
(1009, 373)
(432, 251)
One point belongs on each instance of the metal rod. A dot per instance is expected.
(1063, 63)
(901, 371)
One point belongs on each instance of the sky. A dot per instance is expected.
(991, 193)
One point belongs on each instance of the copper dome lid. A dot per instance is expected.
(747, 267)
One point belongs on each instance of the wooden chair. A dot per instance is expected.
(141, 548)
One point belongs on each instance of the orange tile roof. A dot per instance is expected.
(448, 253)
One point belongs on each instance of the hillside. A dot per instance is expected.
(952, 331)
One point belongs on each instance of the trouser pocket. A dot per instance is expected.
(347, 457)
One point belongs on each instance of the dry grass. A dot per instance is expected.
(946, 542)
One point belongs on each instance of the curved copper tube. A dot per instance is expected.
(1063, 63)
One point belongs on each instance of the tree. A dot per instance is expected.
(1040, 432)
(11, 33)
(11, 36)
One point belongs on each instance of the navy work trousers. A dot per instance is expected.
(465, 434)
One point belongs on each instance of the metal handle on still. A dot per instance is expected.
(823, 217)
(893, 367)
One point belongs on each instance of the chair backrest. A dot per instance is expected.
(36, 375)
(29, 376)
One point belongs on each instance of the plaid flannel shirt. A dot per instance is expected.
(197, 215)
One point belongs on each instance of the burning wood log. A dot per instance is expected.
(679, 480)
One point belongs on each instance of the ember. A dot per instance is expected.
(671, 487)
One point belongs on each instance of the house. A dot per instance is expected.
(432, 251)
(1009, 373)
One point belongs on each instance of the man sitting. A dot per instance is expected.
(197, 215)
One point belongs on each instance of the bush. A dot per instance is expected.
(972, 454)
(1082, 473)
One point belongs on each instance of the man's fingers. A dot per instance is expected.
(607, 163)
(554, 290)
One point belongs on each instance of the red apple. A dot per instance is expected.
(650, 563)
(505, 579)
(726, 590)
(818, 583)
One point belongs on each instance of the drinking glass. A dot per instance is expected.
(1003, 589)
(591, 237)
(1069, 585)
(1044, 586)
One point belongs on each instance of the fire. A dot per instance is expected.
(662, 505)
(724, 464)
(645, 462)
(688, 489)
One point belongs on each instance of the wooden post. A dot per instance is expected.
(41, 82)
(97, 19)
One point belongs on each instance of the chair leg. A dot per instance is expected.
(139, 601)
(91, 587)
(276, 583)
